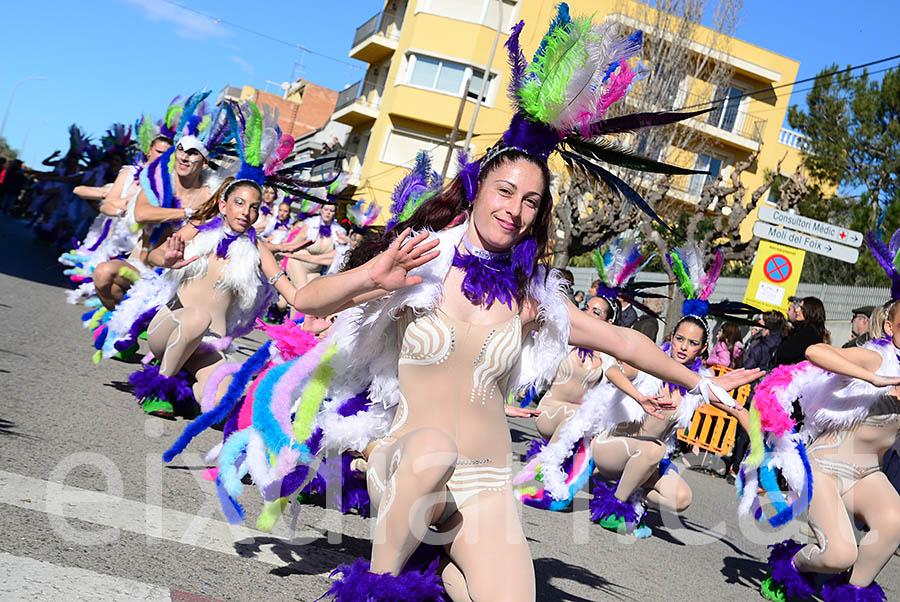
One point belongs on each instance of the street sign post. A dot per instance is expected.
(807, 243)
(811, 226)
(775, 275)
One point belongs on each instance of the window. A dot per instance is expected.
(707, 163)
(402, 146)
(482, 12)
(725, 114)
(446, 76)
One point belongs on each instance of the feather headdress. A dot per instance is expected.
(617, 263)
(419, 185)
(117, 139)
(697, 284)
(262, 149)
(79, 142)
(888, 257)
(146, 130)
(561, 97)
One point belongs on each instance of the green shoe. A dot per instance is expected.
(143, 335)
(617, 524)
(126, 354)
(772, 590)
(156, 406)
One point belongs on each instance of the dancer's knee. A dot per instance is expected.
(683, 497)
(837, 557)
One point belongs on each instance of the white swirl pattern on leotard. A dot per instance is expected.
(426, 341)
(498, 355)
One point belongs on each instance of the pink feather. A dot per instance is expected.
(290, 338)
(618, 87)
(712, 276)
(283, 391)
(629, 269)
(774, 417)
(245, 416)
(285, 146)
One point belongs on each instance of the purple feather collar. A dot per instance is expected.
(229, 235)
(324, 230)
(490, 276)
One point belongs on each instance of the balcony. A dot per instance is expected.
(727, 122)
(376, 39)
(794, 140)
(358, 103)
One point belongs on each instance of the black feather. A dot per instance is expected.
(636, 121)
(611, 152)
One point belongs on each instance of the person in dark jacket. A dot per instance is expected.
(859, 326)
(808, 329)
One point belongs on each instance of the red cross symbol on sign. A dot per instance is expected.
(778, 268)
(843, 235)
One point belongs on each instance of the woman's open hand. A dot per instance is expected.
(652, 404)
(174, 255)
(391, 269)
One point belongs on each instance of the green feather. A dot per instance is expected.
(145, 134)
(597, 259)
(412, 205)
(253, 136)
(897, 262)
(204, 124)
(681, 275)
(544, 92)
(173, 114)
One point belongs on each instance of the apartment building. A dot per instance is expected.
(422, 53)
(304, 108)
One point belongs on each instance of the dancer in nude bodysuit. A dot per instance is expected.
(437, 330)
(851, 405)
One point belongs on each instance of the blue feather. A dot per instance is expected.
(239, 382)
(517, 63)
(190, 107)
(562, 19)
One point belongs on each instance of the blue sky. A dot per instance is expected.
(111, 60)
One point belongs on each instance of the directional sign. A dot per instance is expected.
(808, 243)
(811, 226)
(775, 275)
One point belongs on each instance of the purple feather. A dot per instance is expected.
(102, 236)
(523, 256)
(584, 353)
(357, 584)
(894, 244)
(149, 383)
(535, 138)
(835, 590)
(605, 504)
(517, 64)
(487, 280)
(783, 571)
(137, 327)
(535, 447)
(468, 173)
(324, 230)
(356, 404)
(411, 186)
(882, 255)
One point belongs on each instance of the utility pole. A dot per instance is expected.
(455, 132)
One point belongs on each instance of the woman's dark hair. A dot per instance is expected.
(210, 209)
(774, 321)
(696, 322)
(162, 138)
(814, 314)
(451, 203)
(731, 334)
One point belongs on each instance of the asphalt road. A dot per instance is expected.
(90, 512)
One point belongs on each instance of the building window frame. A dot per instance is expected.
(425, 6)
(413, 56)
(425, 137)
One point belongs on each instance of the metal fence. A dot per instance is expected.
(365, 91)
(380, 23)
(728, 117)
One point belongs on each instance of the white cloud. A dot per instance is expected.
(187, 24)
(244, 65)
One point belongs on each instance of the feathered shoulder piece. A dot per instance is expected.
(419, 185)
(697, 284)
(562, 96)
(888, 257)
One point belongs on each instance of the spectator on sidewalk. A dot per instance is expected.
(629, 313)
(808, 329)
(728, 348)
(859, 326)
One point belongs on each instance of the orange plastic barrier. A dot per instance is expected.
(712, 429)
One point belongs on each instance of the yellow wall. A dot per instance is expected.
(403, 106)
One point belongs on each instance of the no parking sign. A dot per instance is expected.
(776, 273)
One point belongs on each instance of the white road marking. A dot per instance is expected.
(63, 502)
(30, 579)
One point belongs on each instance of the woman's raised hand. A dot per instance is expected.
(174, 256)
(737, 378)
(390, 271)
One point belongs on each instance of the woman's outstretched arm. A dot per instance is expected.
(634, 348)
(854, 362)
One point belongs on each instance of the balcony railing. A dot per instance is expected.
(365, 92)
(379, 24)
(793, 139)
(728, 117)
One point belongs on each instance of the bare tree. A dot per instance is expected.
(679, 76)
(715, 223)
